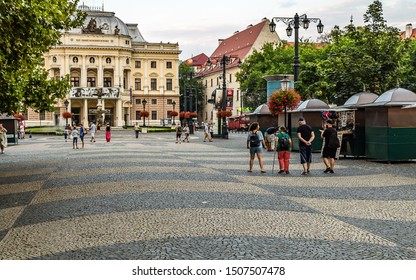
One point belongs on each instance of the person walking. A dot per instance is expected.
(93, 130)
(207, 133)
(67, 133)
(3, 138)
(75, 134)
(108, 133)
(98, 127)
(306, 136)
(178, 131)
(283, 145)
(186, 131)
(255, 142)
(82, 133)
(331, 145)
(136, 130)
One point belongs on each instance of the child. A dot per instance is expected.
(75, 134)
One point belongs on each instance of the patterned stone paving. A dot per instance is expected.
(154, 199)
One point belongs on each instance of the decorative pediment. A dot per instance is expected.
(169, 75)
(153, 75)
(138, 74)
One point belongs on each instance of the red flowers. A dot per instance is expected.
(174, 114)
(144, 114)
(66, 115)
(282, 100)
(224, 114)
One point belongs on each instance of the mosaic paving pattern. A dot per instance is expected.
(154, 199)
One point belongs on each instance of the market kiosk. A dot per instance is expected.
(311, 110)
(351, 123)
(390, 133)
(12, 125)
(264, 117)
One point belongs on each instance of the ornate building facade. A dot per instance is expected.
(110, 64)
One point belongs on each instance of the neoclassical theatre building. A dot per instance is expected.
(110, 63)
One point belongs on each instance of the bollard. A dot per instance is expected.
(30, 134)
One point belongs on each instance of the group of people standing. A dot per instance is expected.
(283, 146)
(80, 132)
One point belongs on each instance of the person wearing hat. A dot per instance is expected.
(331, 145)
(306, 136)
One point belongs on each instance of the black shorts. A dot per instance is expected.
(329, 153)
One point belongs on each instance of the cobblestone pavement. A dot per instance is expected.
(154, 199)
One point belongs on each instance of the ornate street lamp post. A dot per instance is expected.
(66, 103)
(285, 86)
(295, 23)
(224, 60)
(144, 102)
(174, 104)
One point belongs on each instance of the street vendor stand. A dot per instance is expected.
(351, 123)
(12, 125)
(264, 117)
(390, 133)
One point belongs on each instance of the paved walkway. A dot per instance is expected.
(154, 199)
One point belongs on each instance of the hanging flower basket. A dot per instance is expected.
(224, 114)
(66, 115)
(282, 100)
(144, 114)
(187, 115)
(174, 114)
(19, 116)
(182, 114)
(194, 114)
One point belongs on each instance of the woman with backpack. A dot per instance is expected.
(283, 147)
(255, 142)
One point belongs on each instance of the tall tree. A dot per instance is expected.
(29, 29)
(361, 58)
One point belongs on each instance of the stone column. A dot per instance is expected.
(83, 72)
(100, 74)
(85, 113)
(119, 113)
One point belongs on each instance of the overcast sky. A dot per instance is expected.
(197, 25)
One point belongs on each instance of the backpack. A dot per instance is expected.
(254, 140)
(333, 142)
(284, 142)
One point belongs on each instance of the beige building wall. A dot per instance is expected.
(121, 65)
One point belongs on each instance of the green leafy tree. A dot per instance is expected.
(185, 82)
(29, 29)
(271, 59)
(362, 58)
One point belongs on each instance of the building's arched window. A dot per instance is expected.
(108, 60)
(127, 61)
(92, 60)
(75, 59)
(54, 59)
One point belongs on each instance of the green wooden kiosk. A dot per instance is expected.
(311, 110)
(390, 123)
(352, 123)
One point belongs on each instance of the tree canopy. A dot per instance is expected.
(371, 58)
(29, 29)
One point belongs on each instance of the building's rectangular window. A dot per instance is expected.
(137, 64)
(168, 114)
(238, 94)
(107, 82)
(154, 115)
(153, 64)
(231, 78)
(26, 114)
(153, 84)
(169, 101)
(138, 115)
(138, 101)
(91, 82)
(218, 81)
(206, 83)
(42, 115)
(138, 84)
(75, 81)
(169, 65)
(154, 101)
(169, 85)
(212, 83)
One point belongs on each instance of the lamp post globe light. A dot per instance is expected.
(224, 60)
(144, 102)
(66, 103)
(174, 104)
(294, 23)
